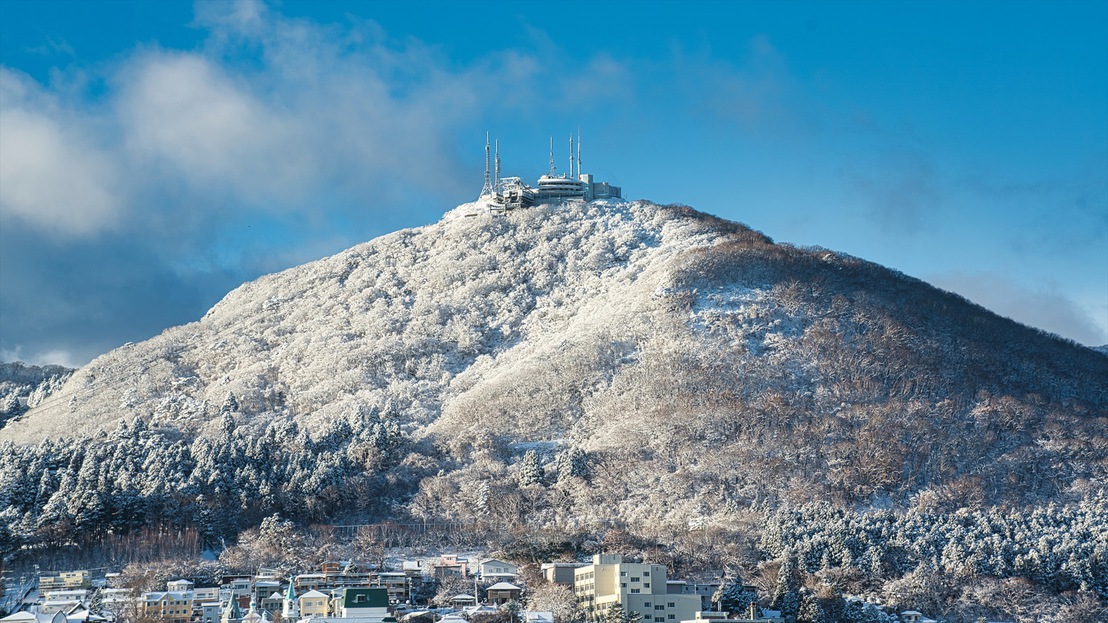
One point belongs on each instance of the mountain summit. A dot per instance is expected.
(681, 364)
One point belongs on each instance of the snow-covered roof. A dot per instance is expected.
(312, 594)
(504, 586)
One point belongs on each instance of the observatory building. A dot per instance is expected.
(509, 193)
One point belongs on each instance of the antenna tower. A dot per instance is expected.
(570, 174)
(486, 190)
(553, 169)
(578, 152)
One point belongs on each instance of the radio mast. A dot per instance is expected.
(553, 169)
(486, 190)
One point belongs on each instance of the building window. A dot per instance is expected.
(622, 574)
(634, 591)
(623, 584)
(671, 616)
(659, 607)
(646, 604)
(646, 584)
(672, 605)
(646, 573)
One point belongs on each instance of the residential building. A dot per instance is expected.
(372, 603)
(497, 570)
(449, 565)
(559, 572)
(206, 593)
(503, 592)
(170, 606)
(29, 617)
(313, 604)
(705, 590)
(395, 582)
(635, 587)
(210, 611)
(62, 600)
(65, 580)
(463, 600)
(309, 581)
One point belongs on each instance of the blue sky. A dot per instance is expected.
(154, 155)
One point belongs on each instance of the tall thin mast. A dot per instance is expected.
(497, 178)
(486, 190)
(553, 169)
(570, 174)
(578, 152)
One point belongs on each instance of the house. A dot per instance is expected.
(273, 603)
(915, 616)
(263, 589)
(313, 604)
(29, 617)
(209, 611)
(62, 600)
(635, 587)
(462, 601)
(503, 592)
(494, 570)
(179, 586)
(361, 603)
(449, 565)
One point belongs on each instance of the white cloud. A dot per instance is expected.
(186, 114)
(44, 358)
(52, 174)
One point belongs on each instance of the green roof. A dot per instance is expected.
(365, 598)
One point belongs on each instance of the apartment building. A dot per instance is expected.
(636, 587)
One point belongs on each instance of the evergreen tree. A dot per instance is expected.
(531, 471)
(732, 596)
(786, 593)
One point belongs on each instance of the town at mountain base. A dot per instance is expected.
(562, 373)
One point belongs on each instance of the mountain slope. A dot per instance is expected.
(696, 366)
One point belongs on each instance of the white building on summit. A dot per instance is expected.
(511, 192)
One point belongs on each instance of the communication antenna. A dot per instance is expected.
(578, 152)
(486, 190)
(553, 169)
(497, 178)
(570, 156)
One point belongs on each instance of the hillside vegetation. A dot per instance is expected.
(573, 368)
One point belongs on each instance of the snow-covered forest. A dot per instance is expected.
(567, 373)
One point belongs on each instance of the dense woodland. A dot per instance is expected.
(586, 378)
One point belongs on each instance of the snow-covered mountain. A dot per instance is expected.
(693, 365)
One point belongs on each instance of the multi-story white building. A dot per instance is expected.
(635, 587)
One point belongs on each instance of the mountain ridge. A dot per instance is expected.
(724, 368)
